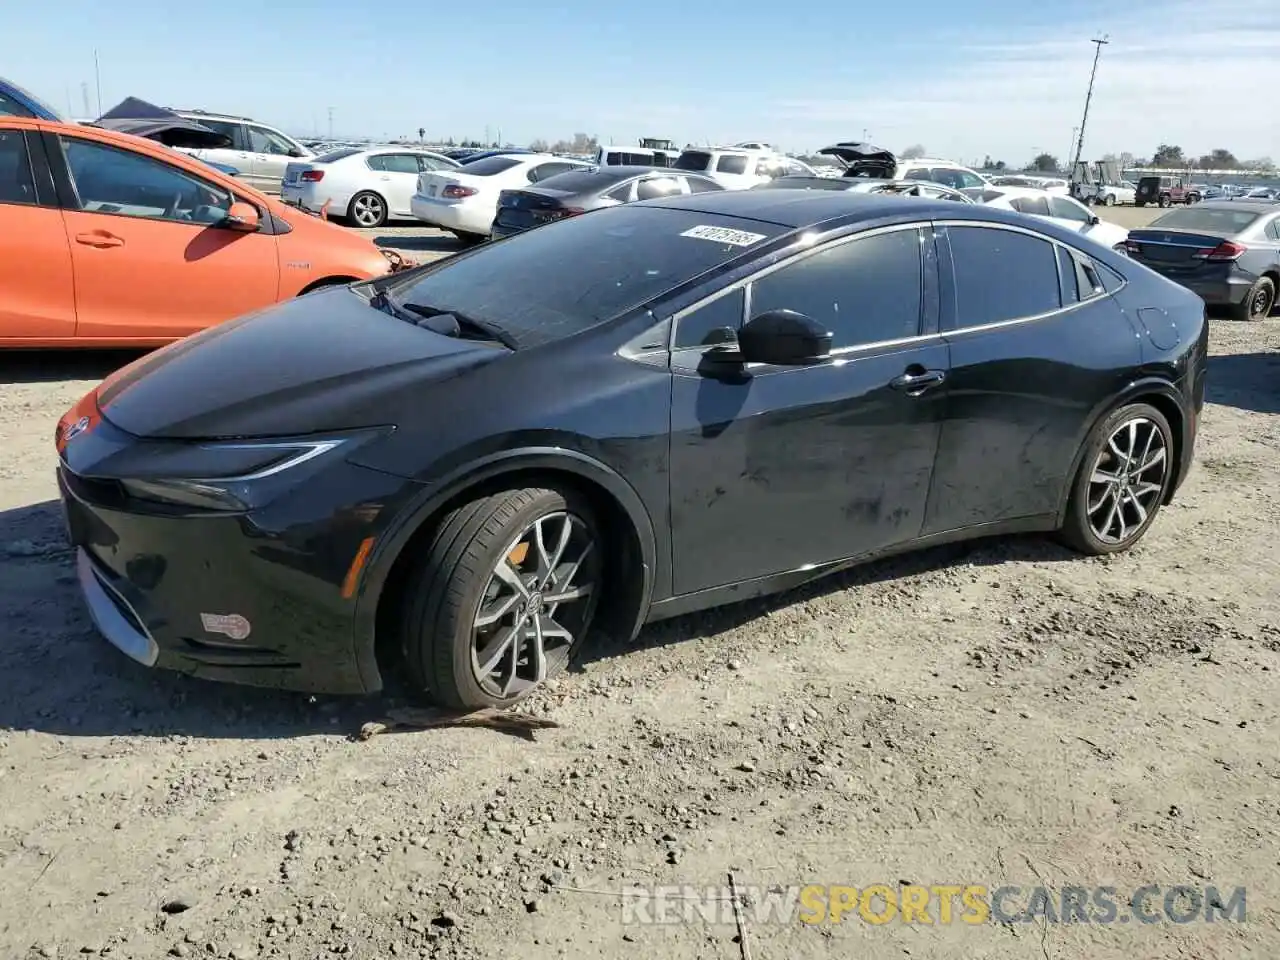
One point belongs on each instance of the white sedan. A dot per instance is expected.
(465, 201)
(1063, 211)
(367, 186)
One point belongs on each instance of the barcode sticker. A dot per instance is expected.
(737, 238)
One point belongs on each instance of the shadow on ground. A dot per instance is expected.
(1247, 381)
(49, 366)
(435, 243)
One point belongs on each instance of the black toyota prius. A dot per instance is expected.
(462, 471)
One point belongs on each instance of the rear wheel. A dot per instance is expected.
(1109, 200)
(502, 597)
(1259, 302)
(367, 209)
(1165, 201)
(1124, 473)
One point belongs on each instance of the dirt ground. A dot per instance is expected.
(1001, 713)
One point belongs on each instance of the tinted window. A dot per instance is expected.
(1080, 277)
(16, 183)
(226, 128)
(699, 185)
(108, 180)
(918, 173)
(616, 158)
(1273, 229)
(696, 329)
(653, 188)
(1033, 206)
(262, 140)
(1001, 275)
(864, 291)
(620, 259)
(1207, 219)
(584, 180)
(693, 160)
(547, 170)
(337, 155)
(488, 166)
(1066, 210)
(731, 163)
(11, 108)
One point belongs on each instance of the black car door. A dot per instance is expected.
(1037, 343)
(785, 467)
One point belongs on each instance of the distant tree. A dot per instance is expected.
(422, 133)
(1218, 160)
(540, 146)
(450, 142)
(1045, 163)
(1261, 165)
(913, 152)
(1168, 155)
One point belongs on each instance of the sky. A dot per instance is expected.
(965, 80)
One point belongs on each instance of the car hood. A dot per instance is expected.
(325, 361)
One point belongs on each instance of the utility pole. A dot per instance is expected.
(1098, 43)
(84, 95)
(97, 79)
(331, 123)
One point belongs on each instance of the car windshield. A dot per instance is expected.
(1206, 219)
(568, 276)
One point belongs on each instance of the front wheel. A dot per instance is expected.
(503, 597)
(1124, 473)
(1109, 200)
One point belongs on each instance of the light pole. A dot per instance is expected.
(1098, 43)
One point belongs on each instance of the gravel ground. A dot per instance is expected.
(994, 713)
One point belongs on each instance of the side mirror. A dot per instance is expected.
(242, 217)
(1095, 220)
(295, 153)
(784, 338)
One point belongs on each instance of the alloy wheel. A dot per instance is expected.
(1128, 480)
(367, 210)
(539, 600)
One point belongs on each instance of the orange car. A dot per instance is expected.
(107, 239)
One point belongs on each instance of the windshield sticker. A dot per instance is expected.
(737, 238)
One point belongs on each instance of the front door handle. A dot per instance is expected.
(915, 380)
(99, 239)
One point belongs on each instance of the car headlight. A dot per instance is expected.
(235, 475)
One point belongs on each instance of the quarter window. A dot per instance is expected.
(113, 181)
(1001, 275)
(702, 327)
(16, 182)
(864, 291)
(1273, 229)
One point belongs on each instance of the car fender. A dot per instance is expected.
(392, 542)
(1142, 387)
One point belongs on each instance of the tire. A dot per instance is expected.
(367, 209)
(1165, 201)
(469, 239)
(1109, 200)
(458, 575)
(1258, 302)
(1132, 424)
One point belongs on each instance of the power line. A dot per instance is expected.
(1099, 43)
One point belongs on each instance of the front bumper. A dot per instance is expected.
(254, 598)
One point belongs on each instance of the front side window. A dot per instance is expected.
(654, 188)
(113, 181)
(1033, 206)
(16, 182)
(1026, 264)
(867, 290)
(262, 140)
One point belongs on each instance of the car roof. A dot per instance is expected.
(1009, 191)
(1240, 203)
(803, 208)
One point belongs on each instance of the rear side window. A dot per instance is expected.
(619, 159)
(730, 163)
(1033, 206)
(693, 160)
(395, 163)
(1273, 229)
(1001, 275)
(16, 183)
(490, 166)
(227, 128)
(699, 185)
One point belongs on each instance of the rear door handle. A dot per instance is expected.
(916, 380)
(99, 240)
